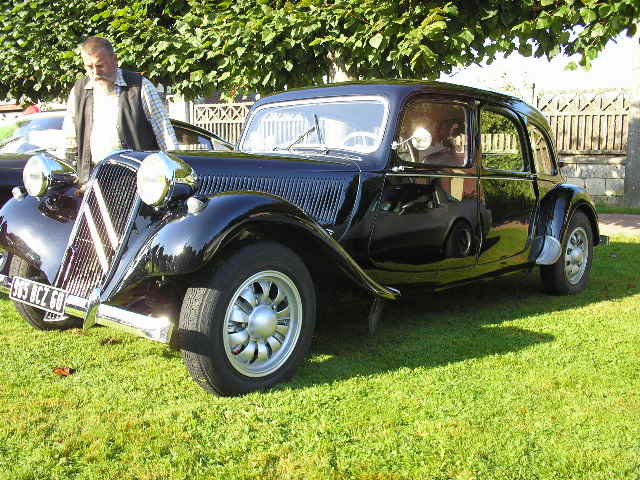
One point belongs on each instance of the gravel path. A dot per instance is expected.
(619, 224)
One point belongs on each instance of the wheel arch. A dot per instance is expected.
(559, 206)
(231, 220)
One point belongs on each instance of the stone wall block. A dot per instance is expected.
(609, 171)
(588, 171)
(614, 187)
(595, 186)
(576, 181)
(570, 171)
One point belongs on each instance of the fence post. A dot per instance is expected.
(632, 167)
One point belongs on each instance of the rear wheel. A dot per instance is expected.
(249, 325)
(38, 318)
(570, 273)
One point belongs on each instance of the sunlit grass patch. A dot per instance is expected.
(490, 381)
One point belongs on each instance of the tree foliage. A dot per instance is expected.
(239, 46)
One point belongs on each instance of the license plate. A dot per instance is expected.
(37, 295)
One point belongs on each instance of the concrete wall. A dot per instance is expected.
(601, 175)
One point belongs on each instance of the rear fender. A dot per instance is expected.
(185, 245)
(556, 211)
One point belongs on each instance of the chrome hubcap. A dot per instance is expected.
(262, 323)
(576, 255)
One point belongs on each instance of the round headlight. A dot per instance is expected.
(154, 180)
(44, 171)
(35, 176)
(159, 175)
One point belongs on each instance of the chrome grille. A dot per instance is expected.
(319, 197)
(100, 229)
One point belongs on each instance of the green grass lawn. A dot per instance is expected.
(609, 209)
(492, 381)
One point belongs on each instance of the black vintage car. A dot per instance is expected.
(21, 137)
(375, 185)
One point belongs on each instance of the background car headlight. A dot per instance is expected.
(43, 171)
(162, 177)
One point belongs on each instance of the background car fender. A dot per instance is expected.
(189, 243)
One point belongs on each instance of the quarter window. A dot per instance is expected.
(446, 133)
(541, 151)
(500, 141)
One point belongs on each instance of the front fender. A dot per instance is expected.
(186, 244)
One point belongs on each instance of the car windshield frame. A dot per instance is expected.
(319, 147)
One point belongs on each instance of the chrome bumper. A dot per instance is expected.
(158, 329)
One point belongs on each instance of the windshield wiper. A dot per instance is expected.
(319, 133)
(297, 140)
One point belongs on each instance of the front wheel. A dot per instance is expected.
(570, 273)
(249, 325)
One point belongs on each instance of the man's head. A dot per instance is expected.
(100, 60)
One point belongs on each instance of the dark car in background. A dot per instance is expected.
(21, 137)
(370, 186)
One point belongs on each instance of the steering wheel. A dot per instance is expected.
(361, 137)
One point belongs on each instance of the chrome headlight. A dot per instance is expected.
(162, 177)
(43, 171)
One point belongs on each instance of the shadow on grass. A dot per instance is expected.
(430, 330)
(434, 329)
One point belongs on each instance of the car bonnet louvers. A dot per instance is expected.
(101, 228)
(319, 196)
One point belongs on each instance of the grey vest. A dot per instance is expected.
(134, 129)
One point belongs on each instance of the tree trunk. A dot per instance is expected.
(632, 168)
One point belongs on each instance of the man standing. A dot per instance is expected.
(112, 109)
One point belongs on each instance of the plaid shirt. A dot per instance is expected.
(152, 105)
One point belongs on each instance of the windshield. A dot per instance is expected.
(354, 123)
(25, 135)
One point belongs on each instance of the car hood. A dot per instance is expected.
(257, 165)
(323, 187)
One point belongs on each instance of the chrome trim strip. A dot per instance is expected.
(95, 236)
(157, 329)
(106, 218)
(437, 175)
(508, 178)
(115, 259)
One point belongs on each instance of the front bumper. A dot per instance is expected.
(157, 329)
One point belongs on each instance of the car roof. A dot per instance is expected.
(398, 90)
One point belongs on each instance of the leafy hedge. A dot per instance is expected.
(241, 46)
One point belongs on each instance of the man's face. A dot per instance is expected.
(100, 66)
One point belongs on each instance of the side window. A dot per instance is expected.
(541, 151)
(500, 141)
(188, 140)
(445, 142)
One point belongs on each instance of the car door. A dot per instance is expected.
(427, 219)
(508, 190)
